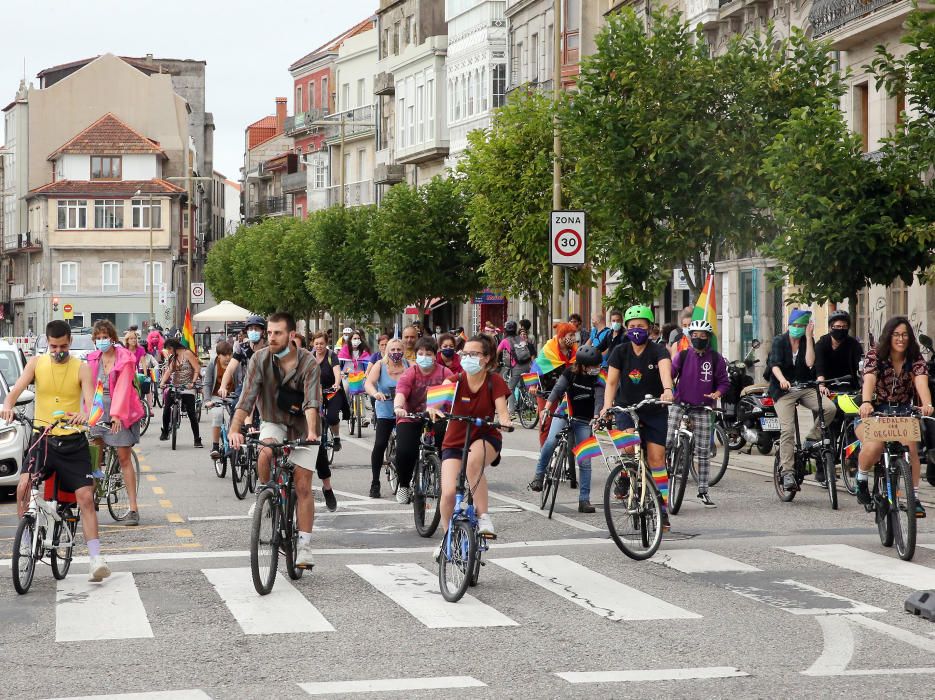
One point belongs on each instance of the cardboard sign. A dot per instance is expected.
(890, 429)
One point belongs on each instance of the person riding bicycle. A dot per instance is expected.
(284, 381)
(256, 325)
(515, 359)
(214, 373)
(183, 370)
(702, 379)
(895, 373)
(448, 353)
(638, 369)
(579, 382)
(155, 342)
(553, 359)
(410, 398)
(62, 383)
(381, 385)
(791, 361)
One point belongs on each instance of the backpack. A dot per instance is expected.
(521, 353)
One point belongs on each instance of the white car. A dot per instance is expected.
(12, 362)
(13, 440)
(81, 345)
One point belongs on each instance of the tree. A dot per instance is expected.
(420, 248)
(667, 140)
(217, 270)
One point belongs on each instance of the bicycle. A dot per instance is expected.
(426, 479)
(821, 454)
(463, 546)
(389, 463)
(275, 528)
(244, 466)
(632, 503)
(147, 411)
(847, 436)
(174, 394)
(526, 408)
(680, 460)
(110, 486)
(561, 466)
(720, 451)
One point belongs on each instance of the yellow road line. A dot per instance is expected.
(158, 490)
(150, 477)
(183, 532)
(145, 468)
(128, 530)
(181, 545)
(165, 503)
(174, 518)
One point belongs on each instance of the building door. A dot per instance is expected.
(496, 313)
(749, 310)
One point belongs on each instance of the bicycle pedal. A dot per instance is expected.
(487, 536)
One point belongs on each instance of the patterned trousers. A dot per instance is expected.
(702, 426)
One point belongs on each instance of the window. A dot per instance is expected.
(110, 277)
(412, 125)
(325, 97)
(897, 302)
(68, 277)
(484, 90)
(457, 99)
(361, 163)
(299, 108)
(311, 95)
(396, 32)
(550, 40)
(410, 39)
(470, 95)
(142, 213)
(361, 92)
(156, 277)
(861, 109)
(534, 58)
(401, 122)
(430, 108)
(420, 110)
(499, 85)
(108, 213)
(72, 213)
(105, 167)
(298, 212)
(321, 174)
(345, 97)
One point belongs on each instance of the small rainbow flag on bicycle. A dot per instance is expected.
(355, 382)
(562, 408)
(602, 377)
(530, 379)
(587, 449)
(851, 449)
(624, 439)
(97, 404)
(440, 396)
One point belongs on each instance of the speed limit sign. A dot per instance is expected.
(198, 293)
(568, 238)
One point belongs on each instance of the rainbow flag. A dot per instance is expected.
(188, 338)
(355, 382)
(851, 449)
(706, 308)
(587, 449)
(152, 375)
(602, 377)
(440, 396)
(530, 379)
(562, 408)
(97, 404)
(330, 393)
(549, 359)
(624, 439)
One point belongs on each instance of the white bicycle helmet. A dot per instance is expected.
(700, 325)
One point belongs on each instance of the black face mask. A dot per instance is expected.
(700, 344)
(839, 334)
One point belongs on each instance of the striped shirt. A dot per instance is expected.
(260, 386)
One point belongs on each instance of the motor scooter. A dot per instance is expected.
(749, 413)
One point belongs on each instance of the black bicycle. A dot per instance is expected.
(275, 527)
(526, 408)
(244, 465)
(680, 460)
(174, 399)
(426, 479)
(561, 466)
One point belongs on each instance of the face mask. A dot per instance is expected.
(796, 331)
(103, 344)
(594, 371)
(356, 342)
(839, 334)
(616, 326)
(60, 356)
(638, 336)
(254, 336)
(700, 343)
(346, 337)
(448, 353)
(425, 361)
(285, 351)
(396, 357)
(471, 365)
(685, 331)
(577, 338)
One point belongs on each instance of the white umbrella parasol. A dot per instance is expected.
(226, 311)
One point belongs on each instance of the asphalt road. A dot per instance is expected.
(754, 599)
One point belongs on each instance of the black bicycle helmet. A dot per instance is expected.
(839, 315)
(510, 327)
(587, 355)
(255, 320)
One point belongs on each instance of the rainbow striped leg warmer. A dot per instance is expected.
(661, 479)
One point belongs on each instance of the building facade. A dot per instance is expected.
(265, 142)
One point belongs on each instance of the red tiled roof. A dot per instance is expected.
(109, 135)
(333, 45)
(107, 188)
(262, 130)
(268, 122)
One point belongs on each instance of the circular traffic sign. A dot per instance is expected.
(568, 242)
(198, 293)
(68, 308)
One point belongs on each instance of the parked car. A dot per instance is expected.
(81, 345)
(13, 437)
(12, 362)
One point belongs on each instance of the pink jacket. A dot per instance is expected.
(124, 401)
(348, 362)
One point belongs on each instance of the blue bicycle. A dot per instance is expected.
(461, 557)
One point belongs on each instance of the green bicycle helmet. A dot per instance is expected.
(639, 311)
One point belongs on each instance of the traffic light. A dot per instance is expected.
(54, 303)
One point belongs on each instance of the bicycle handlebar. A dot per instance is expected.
(481, 422)
(283, 445)
(813, 383)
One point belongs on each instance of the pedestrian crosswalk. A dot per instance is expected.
(568, 583)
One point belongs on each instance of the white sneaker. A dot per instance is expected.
(485, 526)
(402, 494)
(99, 569)
(304, 557)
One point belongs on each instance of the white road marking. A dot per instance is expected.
(897, 633)
(652, 674)
(558, 517)
(838, 647)
(347, 494)
(699, 561)
(111, 609)
(284, 611)
(416, 590)
(879, 566)
(799, 598)
(252, 508)
(390, 684)
(528, 454)
(339, 513)
(592, 590)
(193, 694)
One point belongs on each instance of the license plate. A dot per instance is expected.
(769, 423)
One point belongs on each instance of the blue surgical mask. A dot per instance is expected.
(103, 344)
(425, 361)
(254, 336)
(282, 353)
(616, 326)
(471, 365)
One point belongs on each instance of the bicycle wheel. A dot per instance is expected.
(527, 411)
(882, 509)
(157, 395)
(425, 495)
(220, 465)
(24, 554)
(554, 472)
(61, 556)
(678, 472)
(174, 420)
(784, 496)
(360, 416)
(475, 570)
(848, 464)
(827, 458)
(633, 511)
(454, 573)
(328, 444)
(118, 496)
(903, 508)
(199, 404)
(389, 464)
(252, 473)
(290, 538)
(239, 474)
(720, 455)
(264, 541)
(147, 417)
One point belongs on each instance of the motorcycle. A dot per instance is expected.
(927, 454)
(749, 413)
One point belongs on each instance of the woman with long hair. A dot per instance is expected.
(381, 386)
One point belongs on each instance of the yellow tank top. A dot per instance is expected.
(58, 388)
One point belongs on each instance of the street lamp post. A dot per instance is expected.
(152, 304)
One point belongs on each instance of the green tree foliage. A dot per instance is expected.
(666, 142)
(419, 244)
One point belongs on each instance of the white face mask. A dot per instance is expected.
(356, 342)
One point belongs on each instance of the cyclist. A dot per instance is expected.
(791, 361)
(256, 325)
(382, 340)
(838, 353)
(448, 354)
(131, 341)
(894, 374)
(635, 370)
(525, 325)
(355, 353)
(115, 368)
(515, 358)
(155, 342)
(62, 382)
(481, 393)
(280, 377)
(344, 339)
(214, 373)
(330, 384)
(678, 339)
(702, 380)
(410, 336)
(576, 320)
(182, 370)
(555, 356)
(410, 398)
(381, 385)
(579, 382)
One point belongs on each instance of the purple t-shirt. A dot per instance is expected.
(699, 375)
(415, 383)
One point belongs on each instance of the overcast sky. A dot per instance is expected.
(248, 46)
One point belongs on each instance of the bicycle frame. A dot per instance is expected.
(464, 508)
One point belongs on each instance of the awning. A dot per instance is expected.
(225, 311)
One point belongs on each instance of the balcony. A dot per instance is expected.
(22, 243)
(357, 122)
(304, 121)
(295, 182)
(703, 12)
(355, 194)
(388, 174)
(270, 206)
(829, 16)
(383, 84)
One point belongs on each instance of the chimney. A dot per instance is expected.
(280, 114)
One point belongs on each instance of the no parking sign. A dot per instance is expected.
(568, 238)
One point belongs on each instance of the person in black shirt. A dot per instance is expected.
(838, 354)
